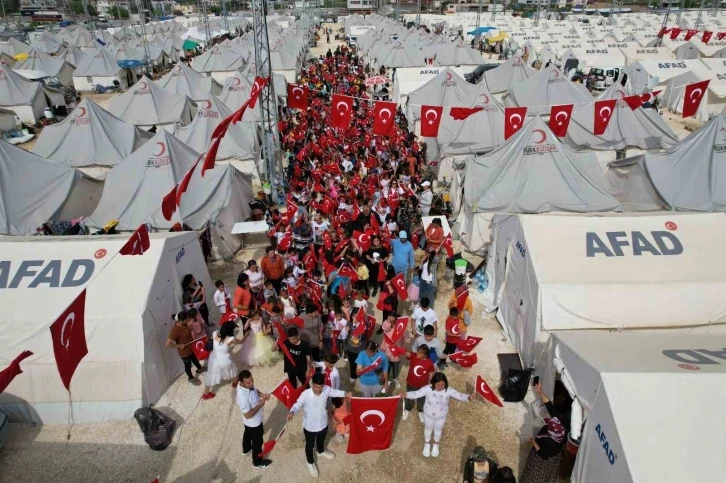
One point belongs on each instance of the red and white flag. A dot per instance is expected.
(486, 391)
(399, 329)
(464, 360)
(297, 321)
(138, 243)
(514, 118)
(675, 32)
(199, 346)
(720, 35)
(399, 283)
(383, 118)
(69, 339)
(297, 96)
(211, 155)
(560, 119)
(603, 112)
(342, 111)
(461, 113)
(285, 393)
(346, 270)
(689, 34)
(396, 350)
(371, 423)
(468, 344)
(9, 373)
(648, 97)
(706, 36)
(168, 204)
(633, 102)
(375, 365)
(692, 97)
(184, 183)
(430, 120)
(270, 445)
(257, 86)
(448, 245)
(363, 240)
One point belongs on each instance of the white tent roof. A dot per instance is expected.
(114, 379)
(640, 73)
(408, 79)
(514, 71)
(630, 383)
(147, 104)
(218, 59)
(184, 80)
(549, 87)
(235, 92)
(99, 62)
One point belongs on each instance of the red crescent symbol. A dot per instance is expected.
(100, 253)
(671, 226)
(163, 149)
(690, 367)
(544, 136)
(448, 76)
(199, 345)
(206, 104)
(622, 94)
(82, 111)
(236, 81)
(485, 97)
(144, 84)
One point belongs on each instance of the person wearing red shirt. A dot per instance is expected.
(273, 267)
(242, 302)
(453, 332)
(420, 371)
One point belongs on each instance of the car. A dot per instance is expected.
(474, 76)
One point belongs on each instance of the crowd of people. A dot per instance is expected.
(325, 298)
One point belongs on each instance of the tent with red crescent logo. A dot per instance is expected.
(99, 67)
(35, 190)
(533, 172)
(134, 188)
(115, 378)
(184, 80)
(619, 381)
(642, 128)
(90, 136)
(220, 62)
(146, 104)
(547, 88)
(235, 92)
(514, 71)
(447, 89)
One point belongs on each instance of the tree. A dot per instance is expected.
(118, 12)
(77, 7)
(215, 10)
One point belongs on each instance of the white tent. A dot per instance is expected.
(509, 74)
(127, 365)
(629, 385)
(713, 102)
(99, 67)
(640, 54)
(26, 98)
(34, 190)
(549, 87)
(551, 273)
(408, 79)
(220, 62)
(39, 60)
(235, 92)
(641, 73)
(184, 80)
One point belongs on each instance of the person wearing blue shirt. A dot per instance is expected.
(402, 252)
(370, 384)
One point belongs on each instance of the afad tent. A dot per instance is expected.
(408, 79)
(219, 62)
(514, 71)
(134, 190)
(35, 190)
(99, 67)
(26, 98)
(687, 177)
(184, 80)
(90, 136)
(146, 105)
(712, 103)
(628, 385)
(240, 146)
(128, 365)
(640, 128)
(39, 60)
(550, 273)
(447, 89)
(548, 88)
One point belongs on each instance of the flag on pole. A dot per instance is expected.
(399, 283)
(69, 339)
(199, 346)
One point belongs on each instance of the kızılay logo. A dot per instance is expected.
(81, 116)
(160, 158)
(539, 138)
(613, 243)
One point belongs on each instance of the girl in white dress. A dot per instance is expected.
(220, 366)
(436, 408)
(257, 348)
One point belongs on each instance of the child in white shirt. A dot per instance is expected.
(221, 297)
(332, 376)
(341, 325)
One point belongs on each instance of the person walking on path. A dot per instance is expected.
(300, 352)
(402, 251)
(251, 402)
(180, 338)
(314, 404)
(273, 267)
(220, 366)
(436, 408)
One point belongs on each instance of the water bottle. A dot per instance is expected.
(485, 280)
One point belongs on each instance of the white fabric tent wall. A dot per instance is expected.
(128, 365)
(408, 79)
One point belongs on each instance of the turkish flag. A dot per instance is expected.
(375, 365)
(675, 32)
(430, 120)
(689, 34)
(468, 344)
(297, 96)
(259, 84)
(461, 113)
(138, 243)
(327, 241)
(297, 321)
(8, 374)
(399, 329)
(360, 328)
(560, 119)
(222, 127)
(383, 120)
(285, 393)
(371, 423)
(211, 155)
(706, 36)
(184, 183)
(448, 245)
(342, 111)
(396, 350)
(363, 240)
(633, 102)
(69, 339)
(285, 241)
(648, 97)
(603, 113)
(720, 35)
(399, 283)
(270, 445)
(663, 31)
(486, 391)
(514, 118)
(168, 204)
(199, 348)
(464, 360)
(692, 98)
(347, 271)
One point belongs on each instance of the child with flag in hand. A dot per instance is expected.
(330, 372)
(340, 412)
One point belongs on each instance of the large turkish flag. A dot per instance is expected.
(341, 111)
(297, 96)
(430, 120)
(371, 423)
(603, 112)
(383, 118)
(69, 339)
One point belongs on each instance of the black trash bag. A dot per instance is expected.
(515, 383)
(156, 426)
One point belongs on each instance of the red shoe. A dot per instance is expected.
(208, 395)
